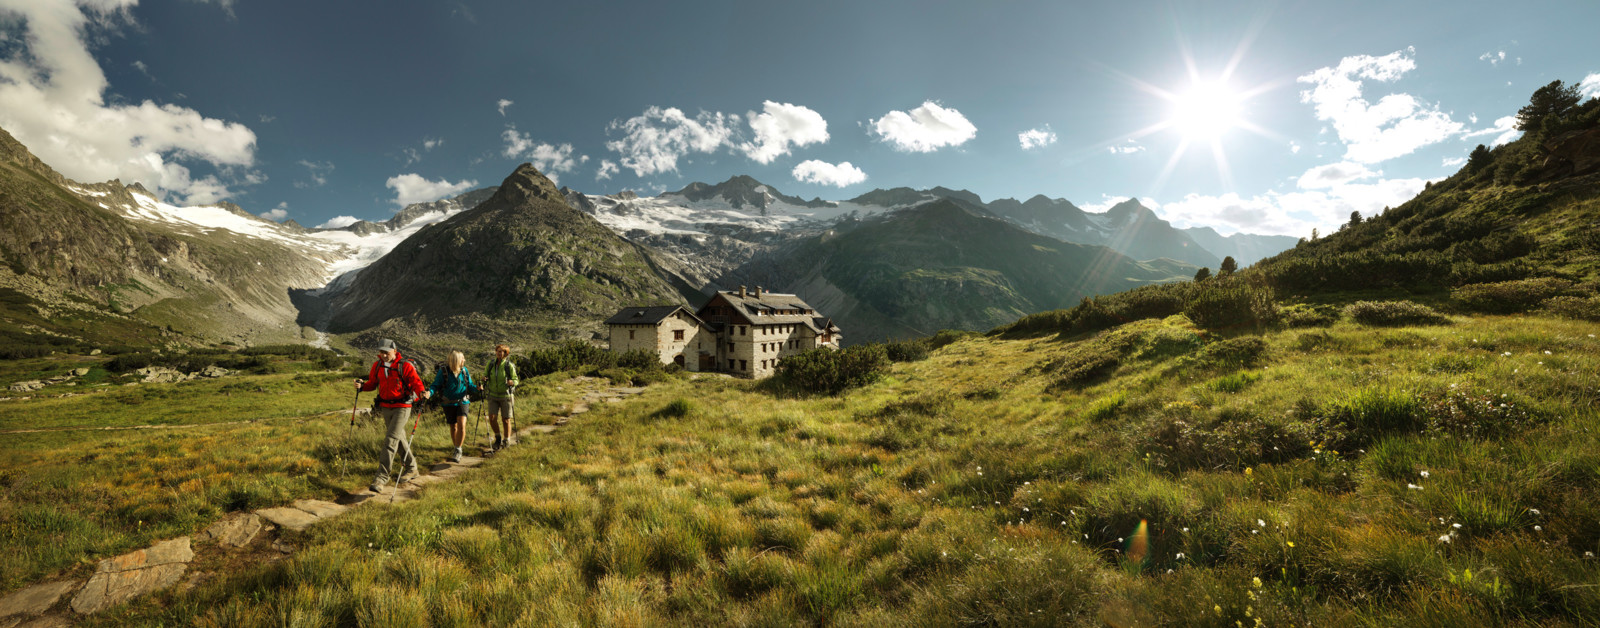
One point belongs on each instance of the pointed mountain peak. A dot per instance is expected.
(138, 188)
(957, 194)
(1130, 207)
(526, 183)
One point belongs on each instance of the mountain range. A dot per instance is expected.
(528, 262)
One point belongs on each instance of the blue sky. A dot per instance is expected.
(320, 110)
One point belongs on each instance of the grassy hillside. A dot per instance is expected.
(1330, 476)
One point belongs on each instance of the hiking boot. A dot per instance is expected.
(499, 443)
(377, 484)
(456, 457)
(409, 475)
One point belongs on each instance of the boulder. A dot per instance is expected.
(28, 386)
(80, 372)
(214, 371)
(291, 518)
(34, 600)
(95, 352)
(117, 580)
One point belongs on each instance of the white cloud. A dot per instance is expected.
(339, 222)
(1506, 126)
(548, 158)
(501, 106)
(1494, 57)
(779, 126)
(1451, 162)
(1294, 148)
(143, 69)
(1126, 148)
(607, 168)
(277, 214)
(318, 173)
(1333, 175)
(412, 188)
(1036, 138)
(1590, 86)
(824, 173)
(1396, 125)
(431, 143)
(653, 142)
(52, 99)
(1329, 195)
(924, 129)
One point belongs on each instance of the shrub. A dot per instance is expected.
(947, 337)
(1477, 415)
(618, 375)
(1233, 353)
(639, 360)
(1302, 315)
(1393, 313)
(906, 350)
(1576, 308)
(1509, 297)
(830, 372)
(573, 355)
(1228, 301)
(676, 409)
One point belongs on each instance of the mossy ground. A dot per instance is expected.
(1305, 476)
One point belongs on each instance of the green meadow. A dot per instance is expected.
(1437, 474)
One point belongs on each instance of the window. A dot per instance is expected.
(730, 349)
(741, 330)
(630, 334)
(677, 334)
(730, 365)
(743, 365)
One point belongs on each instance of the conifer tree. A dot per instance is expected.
(1553, 99)
(1202, 274)
(1478, 159)
(1228, 266)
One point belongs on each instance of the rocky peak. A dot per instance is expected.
(527, 183)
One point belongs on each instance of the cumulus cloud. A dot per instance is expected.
(1396, 125)
(1334, 174)
(1505, 127)
(1326, 197)
(824, 173)
(607, 168)
(1036, 138)
(924, 129)
(1451, 162)
(1493, 57)
(779, 126)
(318, 173)
(1294, 148)
(548, 158)
(413, 188)
(339, 222)
(653, 142)
(277, 214)
(1126, 148)
(501, 106)
(52, 99)
(1590, 86)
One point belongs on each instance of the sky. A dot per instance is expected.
(1260, 117)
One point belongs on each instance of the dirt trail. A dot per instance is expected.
(242, 540)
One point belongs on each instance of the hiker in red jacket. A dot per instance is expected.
(398, 385)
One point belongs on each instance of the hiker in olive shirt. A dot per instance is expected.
(499, 388)
(398, 385)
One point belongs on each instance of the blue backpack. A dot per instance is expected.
(455, 386)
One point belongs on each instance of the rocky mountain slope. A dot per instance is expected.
(523, 258)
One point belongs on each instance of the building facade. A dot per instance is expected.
(739, 332)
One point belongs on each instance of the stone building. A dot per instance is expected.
(740, 332)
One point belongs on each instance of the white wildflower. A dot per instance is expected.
(1423, 473)
(1413, 487)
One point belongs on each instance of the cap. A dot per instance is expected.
(386, 344)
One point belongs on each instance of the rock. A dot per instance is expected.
(28, 386)
(214, 371)
(36, 599)
(291, 518)
(117, 580)
(53, 621)
(236, 531)
(161, 375)
(319, 508)
(80, 372)
(95, 352)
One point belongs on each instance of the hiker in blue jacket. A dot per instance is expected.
(451, 385)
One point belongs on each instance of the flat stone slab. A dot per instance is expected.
(291, 518)
(117, 580)
(612, 400)
(235, 531)
(319, 508)
(628, 391)
(36, 599)
(52, 621)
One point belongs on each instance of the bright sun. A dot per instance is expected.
(1205, 111)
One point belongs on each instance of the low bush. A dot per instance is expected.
(1576, 308)
(1234, 353)
(1183, 440)
(830, 372)
(1227, 302)
(947, 337)
(574, 355)
(1477, 415)
(1393, 313)
(1509, 297)
(1302, 315)
(639, 360)
(906, 350)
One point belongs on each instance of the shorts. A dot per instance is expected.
(454, 413)
(499, 407)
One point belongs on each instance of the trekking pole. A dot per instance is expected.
(353, 405)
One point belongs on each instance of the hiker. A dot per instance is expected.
(452, 383)
(499, 388)
(397, 383)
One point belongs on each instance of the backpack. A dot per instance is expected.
(397, 371)
(459, 383)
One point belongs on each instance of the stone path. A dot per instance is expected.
(123, 578)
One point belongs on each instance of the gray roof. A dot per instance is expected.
(760, 310)
(649, 315)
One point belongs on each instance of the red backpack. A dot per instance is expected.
(392, 388)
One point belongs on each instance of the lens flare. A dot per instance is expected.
(1139, 542)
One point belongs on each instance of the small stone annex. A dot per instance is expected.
(740, 332)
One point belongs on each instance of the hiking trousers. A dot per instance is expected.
(397, 440)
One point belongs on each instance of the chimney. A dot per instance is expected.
(741, 292)
(758, 292)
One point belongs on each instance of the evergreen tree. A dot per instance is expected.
(1228, 266)
(1553, 99)
(1355, 218)
(1202, 274)
(1478, 159)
